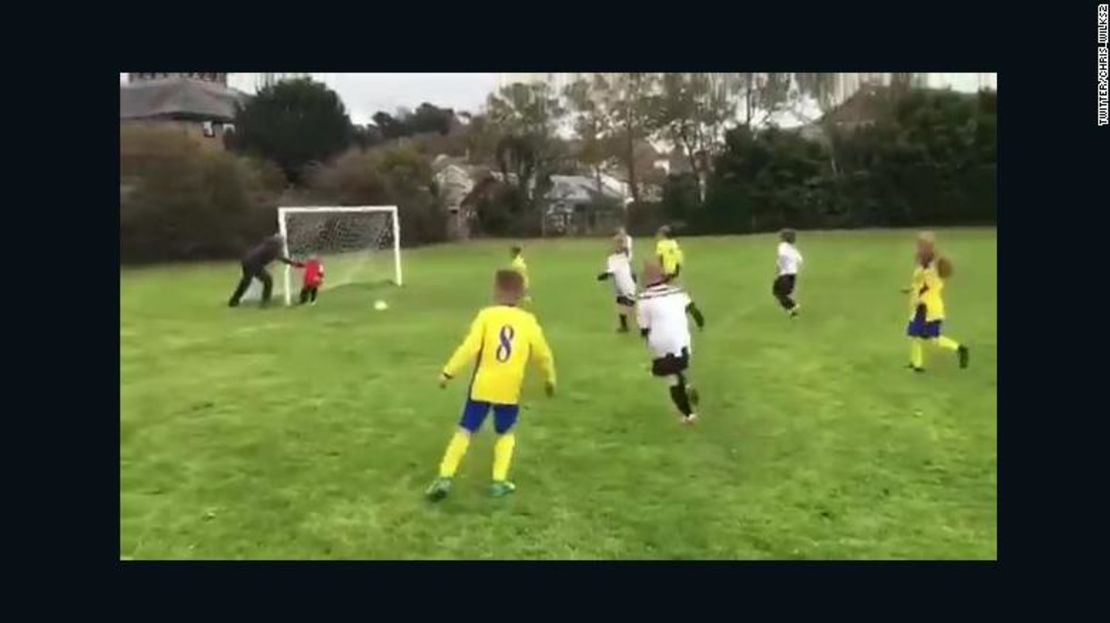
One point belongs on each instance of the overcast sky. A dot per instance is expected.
(365, 94)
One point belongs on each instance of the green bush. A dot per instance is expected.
(504, 212)
(396, 174)
(928, 158)
(179, 201)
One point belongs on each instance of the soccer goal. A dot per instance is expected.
(358, 245)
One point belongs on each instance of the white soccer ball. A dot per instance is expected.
(380, 305)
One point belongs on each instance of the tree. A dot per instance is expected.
(902, 82)
(819, 89)
(526, 117)
(691, 111)
(762, 95)
(389, 126)
(593, 123)
(628, 97)
(430, 118)
(426, 119)
(293, 123)
(480, 139)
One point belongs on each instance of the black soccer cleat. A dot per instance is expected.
(914, 368)
(964, 354)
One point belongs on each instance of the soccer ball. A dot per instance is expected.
(380, 305)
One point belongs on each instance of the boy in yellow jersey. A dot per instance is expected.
(927, 304)
(517, 255)
(503, 338)
(668, 253)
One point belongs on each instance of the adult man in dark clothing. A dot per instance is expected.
(254, 267)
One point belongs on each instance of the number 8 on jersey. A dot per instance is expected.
(505, 346)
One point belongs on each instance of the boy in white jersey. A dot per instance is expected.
(619, 269)
(789, 263)
(661, 312)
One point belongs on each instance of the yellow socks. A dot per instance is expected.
(503, 456)
(947, 343)
(456, 449)
(917, 352)
(917, 348)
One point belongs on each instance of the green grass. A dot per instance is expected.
(312, 432)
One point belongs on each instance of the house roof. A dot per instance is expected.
(178, 98)
(861, 107)
(866, 104)
(579, 189)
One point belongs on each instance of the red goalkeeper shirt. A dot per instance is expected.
(313, 273)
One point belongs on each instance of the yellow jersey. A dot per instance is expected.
(503, 339)
(669, 254)
(926, 289)
(519, 266)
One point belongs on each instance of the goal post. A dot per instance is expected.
(352, 241)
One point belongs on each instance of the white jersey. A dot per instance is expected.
(620, 268)
(662, 311)
(790, 260)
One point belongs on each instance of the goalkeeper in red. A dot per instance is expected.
(503, 338)
(313, 279)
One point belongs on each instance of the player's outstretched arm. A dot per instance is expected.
(291, 262)
(465, 353)
(604, 276)
(696, 314)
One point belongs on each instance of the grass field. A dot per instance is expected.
(312, 432)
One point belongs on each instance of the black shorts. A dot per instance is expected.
(626, 301)
(784, 285)
(671, 364)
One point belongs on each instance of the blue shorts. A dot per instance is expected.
(475, 412)
(919, 328)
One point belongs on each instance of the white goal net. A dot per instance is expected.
(357, 245)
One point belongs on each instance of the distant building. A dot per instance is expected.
(456, 179)
(198, 104)
(574, 205)
(218, 78)
(848, 84)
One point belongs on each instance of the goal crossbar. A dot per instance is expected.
(340, 209)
